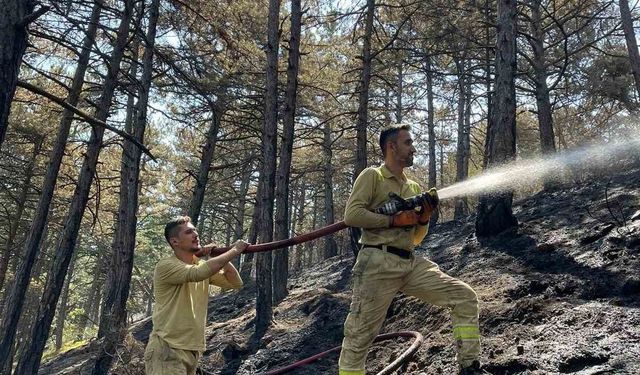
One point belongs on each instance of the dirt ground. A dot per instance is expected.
(559, 295)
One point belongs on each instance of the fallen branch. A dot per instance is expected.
(87, 117)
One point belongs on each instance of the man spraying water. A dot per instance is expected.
(386, 263)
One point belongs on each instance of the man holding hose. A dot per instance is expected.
(181, 290)
(386, 263)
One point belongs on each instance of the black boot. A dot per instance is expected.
(473, 369)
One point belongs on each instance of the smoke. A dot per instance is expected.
(524, 173)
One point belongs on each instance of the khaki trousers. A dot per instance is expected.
(161, 359)
(377, 277)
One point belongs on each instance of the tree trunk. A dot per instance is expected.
(113, 320)
(21, 203)
(93, 298)
(298, 222)
(13, 43)
(330, 245)
(494, 211)
(281, 257)
(242, 207)
(363, 110)
(247, 259)
(62, 308)
(399, 89)
(488, 58)
(387, 107)
(462, 152)
(32, 244)
(543, 101)
(363, 92)
(30, 361)
(208, 151)
(264, 301)
(431, 127)
(632, 44)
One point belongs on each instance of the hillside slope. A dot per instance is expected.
(560, 295)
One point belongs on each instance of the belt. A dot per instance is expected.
(402, 253)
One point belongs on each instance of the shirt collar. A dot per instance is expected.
(386, 173)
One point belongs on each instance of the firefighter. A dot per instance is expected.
(181, 290)
(386, 263)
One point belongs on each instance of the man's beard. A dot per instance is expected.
(409, 161)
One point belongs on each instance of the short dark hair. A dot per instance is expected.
(172, 227)
(390, 134)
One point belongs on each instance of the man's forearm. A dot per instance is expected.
(232, 275)
(217, 263)
(362, 218)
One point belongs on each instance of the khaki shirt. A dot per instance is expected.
(181, 292)
(370, 191)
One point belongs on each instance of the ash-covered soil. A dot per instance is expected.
(560, 295)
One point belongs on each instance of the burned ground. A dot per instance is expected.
(559, 295)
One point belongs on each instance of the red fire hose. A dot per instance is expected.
(289, 241)
(404, 357)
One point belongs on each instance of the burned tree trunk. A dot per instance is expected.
(281, 257)
(30, 359)
(494, 211)
(462, 151)
(264, 302)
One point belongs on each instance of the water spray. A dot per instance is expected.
(523, 173)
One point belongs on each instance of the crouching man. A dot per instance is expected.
(181, 291)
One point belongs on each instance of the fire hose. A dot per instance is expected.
(324, 231)
(404, 357)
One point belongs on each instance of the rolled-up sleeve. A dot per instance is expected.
(180, 273)
(357, 213)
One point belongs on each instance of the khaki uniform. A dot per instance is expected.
(181, 294)
(378, 275)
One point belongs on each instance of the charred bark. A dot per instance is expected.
(463, 143)
(494, 211)
(264, 299)
(282, 227)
